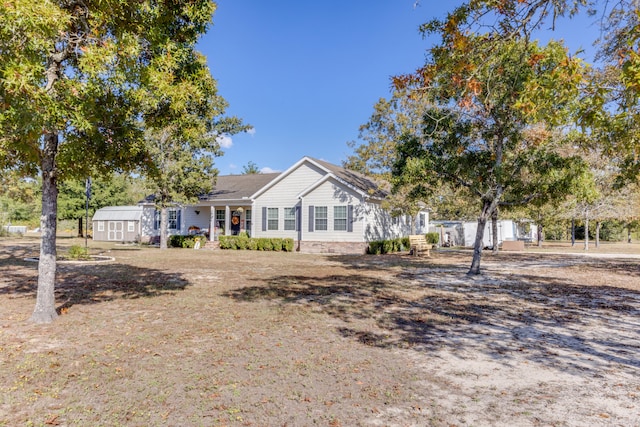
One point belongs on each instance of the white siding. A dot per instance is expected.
(378, 223)
(331, 194)
(284, 195)
(190, 218)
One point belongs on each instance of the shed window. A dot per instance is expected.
(131, 226)
(100, 225)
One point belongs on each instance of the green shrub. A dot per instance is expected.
(179, 241)
(243, 242)
(225, 241)
(433, 237)
(374, 248)
(287, 245)
(405, 243)
(378, 247)
(78, 252)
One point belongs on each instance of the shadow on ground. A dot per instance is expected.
(84, 283)
(506, 314)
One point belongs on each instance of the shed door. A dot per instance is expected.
(116, 231)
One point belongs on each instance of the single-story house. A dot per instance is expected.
(118, 223)
(463, 233)
(323, 207)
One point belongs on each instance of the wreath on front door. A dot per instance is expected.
(235, 220)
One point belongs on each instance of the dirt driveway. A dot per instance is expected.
(214, 338)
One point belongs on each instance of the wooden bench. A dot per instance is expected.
(418, 244)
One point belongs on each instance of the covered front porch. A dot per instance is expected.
(219, 220)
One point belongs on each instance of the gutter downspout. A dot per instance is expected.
(300, 225)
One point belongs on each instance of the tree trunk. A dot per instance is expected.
(629, 233)
(80, 228)
(598, 224)
(45, 310)
(586, 232)
(573, 232)
(494, 230)
(539, 234)
(163, 227)
(479, 243)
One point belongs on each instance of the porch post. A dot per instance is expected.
(212, 224)
(227, 220)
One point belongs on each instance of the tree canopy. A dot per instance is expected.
(80, 81)
(494, 124)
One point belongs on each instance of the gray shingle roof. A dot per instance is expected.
(237, 187)
(355, 179)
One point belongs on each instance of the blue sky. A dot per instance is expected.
(306, 75)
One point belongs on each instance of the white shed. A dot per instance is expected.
(117, 223)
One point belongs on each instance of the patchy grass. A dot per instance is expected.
(221, 338)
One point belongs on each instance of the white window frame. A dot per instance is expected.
(172, 219)
(131, 226)
(272, 219)
(100, 225)
(290, 219)
(340, 218)
(321, 218)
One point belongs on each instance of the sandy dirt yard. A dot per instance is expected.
(235, 338)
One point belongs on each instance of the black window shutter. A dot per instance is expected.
(311, 213)
(264, 219)
(350, 218)
(178, 218)
(156, 219)
(298, 217)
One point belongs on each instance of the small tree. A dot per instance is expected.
(184, 125)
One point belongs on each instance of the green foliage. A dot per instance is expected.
(243, 242)
(81, 81)
(181, 241)
(110, 190)
(378, 247)
(78, 252)
(433, 237)
(250, 168)
(483, 132)
(19, 200)
(555, 231)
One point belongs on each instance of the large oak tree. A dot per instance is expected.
(492, 124)
(77, 79)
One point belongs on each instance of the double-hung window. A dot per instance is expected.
(340, 218)
(247, 221)
(321, 218)
(290, 219)
(172, 219)
(272, 218)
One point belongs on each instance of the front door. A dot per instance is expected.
(115, 231)
(235, 224)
